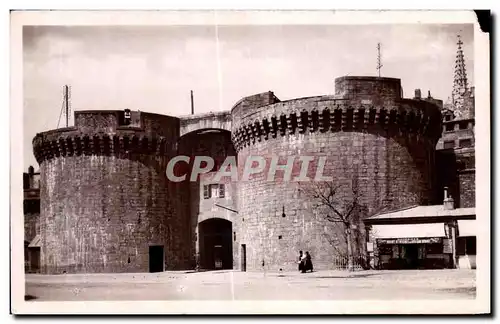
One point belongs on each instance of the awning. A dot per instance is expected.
(35, 242)
(467, 227)
(408, 230)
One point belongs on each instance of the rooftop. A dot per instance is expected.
(431, 211)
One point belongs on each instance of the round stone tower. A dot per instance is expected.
(106, 205)
(369, 137)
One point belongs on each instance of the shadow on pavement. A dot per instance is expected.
(346, 276)
(209, 270)
(29, 297)
(364, 275)
(461, 290)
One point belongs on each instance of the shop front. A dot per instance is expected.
(422, 237)
(412, 246)
(413, 253)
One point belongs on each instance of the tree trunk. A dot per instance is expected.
(350, 266)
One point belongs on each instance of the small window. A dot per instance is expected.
(127, 117)
(447, 117)
(222, 191)
(449, 127)
(449, 144)
(214, 190)
(280, 237)
(206, 191)
(463, 125)
(465, 142)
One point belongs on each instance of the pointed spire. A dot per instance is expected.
(460, 77)
(460, 85)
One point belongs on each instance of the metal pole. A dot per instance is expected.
(192, 103)
(66, 104)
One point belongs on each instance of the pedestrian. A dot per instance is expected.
(308, 262)
(300, 260)
(303, 263)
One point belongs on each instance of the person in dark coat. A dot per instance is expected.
(308, 263)
(301, 264)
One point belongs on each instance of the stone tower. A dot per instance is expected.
(462, 96)
(373, 140)
(105, 202)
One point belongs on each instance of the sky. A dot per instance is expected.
(153, 68)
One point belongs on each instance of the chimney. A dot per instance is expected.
(448, 202)
(31, 170)
(429, 94)
(418, 94)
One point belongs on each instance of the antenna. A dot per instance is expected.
(192, 103)
(67, 96)
(66, 107)
(379, 59)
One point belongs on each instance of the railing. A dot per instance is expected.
(359, 262)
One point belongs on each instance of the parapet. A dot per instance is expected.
(364, 104)
(368, 90)
(248, 105)
(106, 132)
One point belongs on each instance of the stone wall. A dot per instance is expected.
(467, 183)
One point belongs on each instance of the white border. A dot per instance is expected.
(481, 77)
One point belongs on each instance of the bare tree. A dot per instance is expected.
(339, 206)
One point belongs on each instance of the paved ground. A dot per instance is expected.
(227, 285)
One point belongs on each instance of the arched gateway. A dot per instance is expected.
(215, 244)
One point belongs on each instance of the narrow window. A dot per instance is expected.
(450, 127)
(206, 191)
(214, 189)
(222, 191)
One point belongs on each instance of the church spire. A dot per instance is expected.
(460, 77)
(460, 94)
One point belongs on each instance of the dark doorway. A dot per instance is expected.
(215, 245)
(243, 257)
(34, 255)
(411, 251)
(156, 258)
